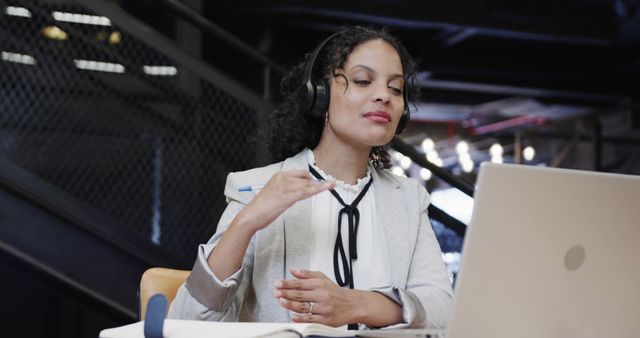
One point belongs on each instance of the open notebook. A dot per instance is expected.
(174, 328)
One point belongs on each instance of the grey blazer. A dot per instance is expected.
(421, 284)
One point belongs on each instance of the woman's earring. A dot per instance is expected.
(326, 117)
(376, 157)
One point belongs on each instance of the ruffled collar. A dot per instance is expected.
(351, 187)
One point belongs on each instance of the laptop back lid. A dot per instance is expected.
(550, 253)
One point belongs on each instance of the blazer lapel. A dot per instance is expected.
(296, 222)
(394, 220)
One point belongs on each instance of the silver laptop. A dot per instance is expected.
(550, 253)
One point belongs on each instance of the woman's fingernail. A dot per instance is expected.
(279, 284)
(283, 301)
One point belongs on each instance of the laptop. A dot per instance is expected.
(550, 253)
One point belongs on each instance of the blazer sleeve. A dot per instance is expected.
(203, 296)
(427, 299)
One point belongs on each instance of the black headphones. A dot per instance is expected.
(313, 95)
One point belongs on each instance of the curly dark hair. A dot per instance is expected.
(291, 130)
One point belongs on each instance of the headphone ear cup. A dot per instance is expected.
(321, 104)
(306, 97)
(404, 119)
(402, 124)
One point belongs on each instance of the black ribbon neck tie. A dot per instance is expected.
(339, 254)
(353, 220)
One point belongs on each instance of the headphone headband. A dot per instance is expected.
(308, 67)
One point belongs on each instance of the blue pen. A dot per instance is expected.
(250, 188)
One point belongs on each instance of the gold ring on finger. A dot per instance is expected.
(310, 308)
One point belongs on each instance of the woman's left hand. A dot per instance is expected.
(316, 299)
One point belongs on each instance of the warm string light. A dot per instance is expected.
(496, 152)
(428, 145)
(405, 162)
(425, 174)
(431, 154)
(463, 151)
(115, 38)
(54, 33)
(462, 147)
(464, 158)
(528, 153)
(398, 171)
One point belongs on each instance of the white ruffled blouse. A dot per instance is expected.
(371, 269)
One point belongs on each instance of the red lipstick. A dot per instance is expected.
(378, 116)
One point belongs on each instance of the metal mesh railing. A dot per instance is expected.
(113, 122)
(85, 107)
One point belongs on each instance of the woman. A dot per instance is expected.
(327, 235)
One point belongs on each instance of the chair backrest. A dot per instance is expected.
(160, 280)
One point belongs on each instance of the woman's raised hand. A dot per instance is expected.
(281, 191)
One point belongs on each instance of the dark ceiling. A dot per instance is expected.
(470, 51)
(517, 63)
